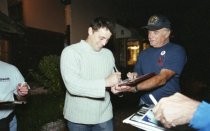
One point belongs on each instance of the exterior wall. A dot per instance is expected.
(50, 15)
(83, 11)
(3, 6)
(44, 14)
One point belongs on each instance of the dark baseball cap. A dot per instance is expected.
(157, 22)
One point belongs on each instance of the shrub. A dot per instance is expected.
(48, 74)
(39, 110)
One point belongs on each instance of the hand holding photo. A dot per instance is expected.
(144, 119)
(138, 79)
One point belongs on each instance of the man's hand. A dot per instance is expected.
(22, 89)
(175, 110)
(132, 75)
(117, 89)
(113, 79)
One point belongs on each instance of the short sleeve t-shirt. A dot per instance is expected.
(9, 79)
(170, 56)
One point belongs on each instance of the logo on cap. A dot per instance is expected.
(157, 22)
(153, 20)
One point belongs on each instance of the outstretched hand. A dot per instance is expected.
(175, 110)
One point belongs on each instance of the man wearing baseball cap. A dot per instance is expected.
(165, 58)
(157, 22)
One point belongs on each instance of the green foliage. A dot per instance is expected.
(48, 74)
(43, 108)
(39, 110)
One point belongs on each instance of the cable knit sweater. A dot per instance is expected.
(84, 71)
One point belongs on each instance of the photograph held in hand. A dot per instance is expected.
(138, 79)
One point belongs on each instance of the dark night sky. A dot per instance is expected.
(190, 20)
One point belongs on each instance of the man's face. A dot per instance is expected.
(98, 38)
(159, 38)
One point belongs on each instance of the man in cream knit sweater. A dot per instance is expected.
(87, 71)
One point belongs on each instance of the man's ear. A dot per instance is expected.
(90, 31)
(168, 33)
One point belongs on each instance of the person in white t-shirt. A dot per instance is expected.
(12, 84)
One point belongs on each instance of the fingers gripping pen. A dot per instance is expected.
(120, 94)
(153, 99)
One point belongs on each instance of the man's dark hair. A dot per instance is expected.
(102, 22)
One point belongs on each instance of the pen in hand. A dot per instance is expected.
(22, 83)
(120, 94)
(115, 69)
(154, 101)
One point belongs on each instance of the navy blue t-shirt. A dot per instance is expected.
(170, 56)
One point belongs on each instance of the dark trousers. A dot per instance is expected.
(4, 123)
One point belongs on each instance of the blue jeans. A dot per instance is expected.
(13, 124)
(106, 126)
(8, 123)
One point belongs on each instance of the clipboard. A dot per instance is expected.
(3, 103)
